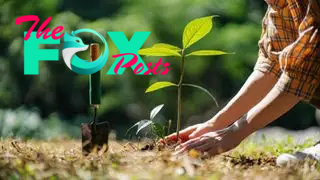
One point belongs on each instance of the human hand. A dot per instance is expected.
(212, 143)
(183, 134)
(191, 132)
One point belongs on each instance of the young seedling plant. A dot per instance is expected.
(193, 32)
(157, 129)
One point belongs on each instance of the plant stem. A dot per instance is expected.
(179, 94)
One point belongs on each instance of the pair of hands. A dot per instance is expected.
(205, 138)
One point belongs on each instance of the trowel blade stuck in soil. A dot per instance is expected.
(95, 137)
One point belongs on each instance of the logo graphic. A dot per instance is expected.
(127, 58)
(73, 44)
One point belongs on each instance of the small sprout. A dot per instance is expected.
(157, 129)
(143, 124)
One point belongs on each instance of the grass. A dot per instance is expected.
(62, 159)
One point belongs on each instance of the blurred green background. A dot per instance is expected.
(55, 102)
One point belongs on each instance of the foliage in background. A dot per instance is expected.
(193, 32)
(28, 124)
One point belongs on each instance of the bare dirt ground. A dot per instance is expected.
(62, 159)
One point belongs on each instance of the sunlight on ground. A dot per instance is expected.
(62, 159)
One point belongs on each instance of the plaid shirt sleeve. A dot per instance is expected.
(264, 63)
(300, 61)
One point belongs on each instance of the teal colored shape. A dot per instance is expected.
(79, 65)
(72, 42)
(125, 46)
(32, 53)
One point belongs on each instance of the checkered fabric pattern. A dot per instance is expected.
(289, 47)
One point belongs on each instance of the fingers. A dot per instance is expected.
(213, 143)
(195, 134)
(191, 144)
(178, 148)
(188, 142)
(198, 132)
(201, 131)
(183, 135)
(202, 144)
(205, 147)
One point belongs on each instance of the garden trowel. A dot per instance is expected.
(94, 134)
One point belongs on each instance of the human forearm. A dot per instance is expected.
(255, 88)
(270, 108)
(215, 142)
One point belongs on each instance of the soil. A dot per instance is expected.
(63, 159)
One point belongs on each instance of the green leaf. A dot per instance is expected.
(143, 124)
(167, 46)
(155, 111)
(196, 30)
(204, 90)
(159, 85)
(158, 130)
(207, 53)
(158, 51)
(136, 124)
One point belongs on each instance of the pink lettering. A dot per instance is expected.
(34, 18)
(139, 67)
(136, 69)
(128, 64)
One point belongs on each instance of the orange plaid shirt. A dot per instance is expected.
(289, 47)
